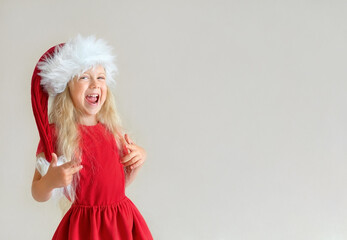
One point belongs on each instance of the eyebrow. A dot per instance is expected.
(85, 73)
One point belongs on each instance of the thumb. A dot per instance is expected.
(54, 160)
(127, 138)
(124, 146)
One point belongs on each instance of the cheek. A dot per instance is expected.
(104, 98)
(77, 94)
(76, 100)
(104, 94)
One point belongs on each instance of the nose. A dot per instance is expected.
(94, 83)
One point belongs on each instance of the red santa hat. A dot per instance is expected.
(57, 67)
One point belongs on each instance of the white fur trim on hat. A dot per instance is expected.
(73, 58)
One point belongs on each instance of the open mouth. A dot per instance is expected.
(92, 98)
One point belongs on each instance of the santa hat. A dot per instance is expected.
(57, 67)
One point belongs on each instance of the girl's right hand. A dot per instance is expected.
(60, 176)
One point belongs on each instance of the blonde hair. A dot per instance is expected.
(65, 117)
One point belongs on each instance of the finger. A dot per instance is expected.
(69, 164)
(125, 150)
(127, 138)
(54, 160)
(75, 169)
(132, 161)
(128, 157)
(124, 146)
(132, 147)
(137, 164)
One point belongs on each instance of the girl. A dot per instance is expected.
(95, 162)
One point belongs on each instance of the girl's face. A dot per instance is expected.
(88, 93)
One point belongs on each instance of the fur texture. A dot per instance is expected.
(72, 59)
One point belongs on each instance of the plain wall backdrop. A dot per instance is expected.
(241, 106)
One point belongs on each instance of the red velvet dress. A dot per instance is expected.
(101, 210)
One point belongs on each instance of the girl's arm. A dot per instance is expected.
(56, 177)
(40, 188)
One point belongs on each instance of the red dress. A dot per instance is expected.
(101, 210)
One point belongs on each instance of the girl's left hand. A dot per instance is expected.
(136, 156)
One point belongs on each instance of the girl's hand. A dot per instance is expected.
(60, 176)
(136, 156)
(133, 160)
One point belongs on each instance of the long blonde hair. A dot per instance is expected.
(65, 117)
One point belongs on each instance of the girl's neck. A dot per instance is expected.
(88, 120)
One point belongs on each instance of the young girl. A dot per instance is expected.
(95, 161)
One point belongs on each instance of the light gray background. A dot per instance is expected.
(241, 106)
